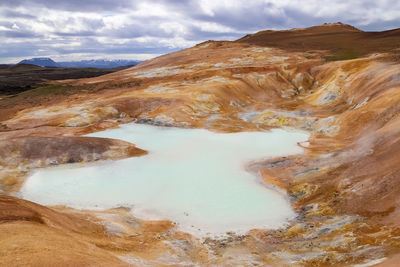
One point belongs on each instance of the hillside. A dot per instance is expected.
(341, 41)
(15, 79)
(345, 187)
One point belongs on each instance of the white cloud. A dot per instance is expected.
(174, 28)
(2, 28)
(213, 27)
(177, 42)
(209, 7)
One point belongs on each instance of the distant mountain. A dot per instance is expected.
(95, 63)
(98, 63)
(40, 61)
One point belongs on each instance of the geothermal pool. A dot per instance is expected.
(193, 177)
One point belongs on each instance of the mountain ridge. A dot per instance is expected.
(340, 41)
(39, 61)
(91, 63)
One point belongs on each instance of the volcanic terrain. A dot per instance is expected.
(338, 83)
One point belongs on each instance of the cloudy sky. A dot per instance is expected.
(139, 29)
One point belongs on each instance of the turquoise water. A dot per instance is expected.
(193, 177)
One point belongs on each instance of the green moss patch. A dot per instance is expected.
(346, 54)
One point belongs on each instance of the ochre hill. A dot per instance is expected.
(342, 41)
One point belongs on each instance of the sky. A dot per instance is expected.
(137, 29)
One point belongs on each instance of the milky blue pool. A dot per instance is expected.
(193, 177)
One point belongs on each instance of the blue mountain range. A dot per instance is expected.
(94, 63)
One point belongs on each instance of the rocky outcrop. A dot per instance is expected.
(20, 155)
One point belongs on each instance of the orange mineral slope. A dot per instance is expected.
(338, 83)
